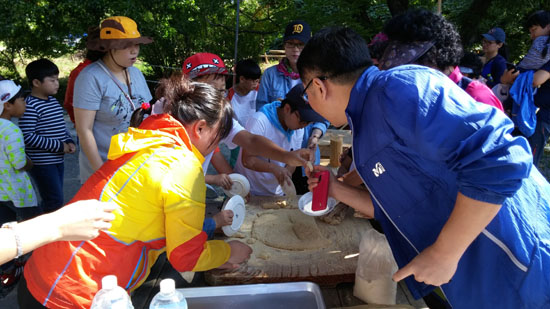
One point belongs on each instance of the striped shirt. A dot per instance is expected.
(44, 130)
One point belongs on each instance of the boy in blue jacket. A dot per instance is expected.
(456, 194)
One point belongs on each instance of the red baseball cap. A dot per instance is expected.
(202, 64)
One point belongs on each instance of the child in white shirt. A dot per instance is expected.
(283, 123)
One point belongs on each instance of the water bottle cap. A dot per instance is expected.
(109, 282)
(167, 286)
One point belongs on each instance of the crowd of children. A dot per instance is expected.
(151, 159)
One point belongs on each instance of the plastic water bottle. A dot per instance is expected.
(111, 296)
(168, 297)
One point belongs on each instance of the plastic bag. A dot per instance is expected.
(375, 268)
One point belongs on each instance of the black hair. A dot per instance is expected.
(94, 55)
(248, 69)
(377, 49)
(188, 101)
(19, 94)
(338, 53)
(292, 104)
(539, 18)
(420, 25)
(40, 69)
(473, 61)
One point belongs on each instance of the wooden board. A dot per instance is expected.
(327, 266)
(324, 142)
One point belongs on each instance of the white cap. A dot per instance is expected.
(109, 282)
(8, 89)
(167, 286)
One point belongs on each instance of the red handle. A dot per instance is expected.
(320, 193)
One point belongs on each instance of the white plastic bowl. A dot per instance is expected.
(304, 204)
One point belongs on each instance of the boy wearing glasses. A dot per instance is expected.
(283, 123)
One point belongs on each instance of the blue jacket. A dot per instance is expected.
(418, 140)
(524, 111)
(274, 85)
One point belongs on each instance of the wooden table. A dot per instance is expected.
(336, 263)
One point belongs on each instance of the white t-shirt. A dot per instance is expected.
(228, 141)
(265, 183)
(244, 106)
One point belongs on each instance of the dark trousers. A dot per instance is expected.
(538, 140)
(9, 213)
(25, 298)
(49, 182)
(300, 181)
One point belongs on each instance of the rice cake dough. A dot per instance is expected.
(288, 230)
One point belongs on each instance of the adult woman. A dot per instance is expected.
(495, 63)
(154, 174)
(108, 91)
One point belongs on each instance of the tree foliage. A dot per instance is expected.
(50, 28)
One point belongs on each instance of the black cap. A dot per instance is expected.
(297, 30)
(298, 102)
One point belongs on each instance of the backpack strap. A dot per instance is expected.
(464, 82)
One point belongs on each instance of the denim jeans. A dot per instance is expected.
(538, 140)
(49, 182)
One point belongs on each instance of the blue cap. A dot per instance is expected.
(495, 34)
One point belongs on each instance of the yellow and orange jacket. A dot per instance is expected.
(154, 174)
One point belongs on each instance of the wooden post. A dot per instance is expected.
(335, 151)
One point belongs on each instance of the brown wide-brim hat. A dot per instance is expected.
(117, 32)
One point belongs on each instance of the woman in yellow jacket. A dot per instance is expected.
(154, 175)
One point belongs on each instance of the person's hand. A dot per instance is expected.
(66, 148)
(430, 266)
(282, 174)
(509, 76)
(240, 253)
(83, 220)
(223, 218)
(223, 181)
(312, 182)
(299, 157)
(313, 140)
(72, 148)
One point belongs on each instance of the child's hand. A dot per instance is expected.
(72, 148)
(223, 218)
(223, 181)
(282, 174)
(314, 139)
(69, 147)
